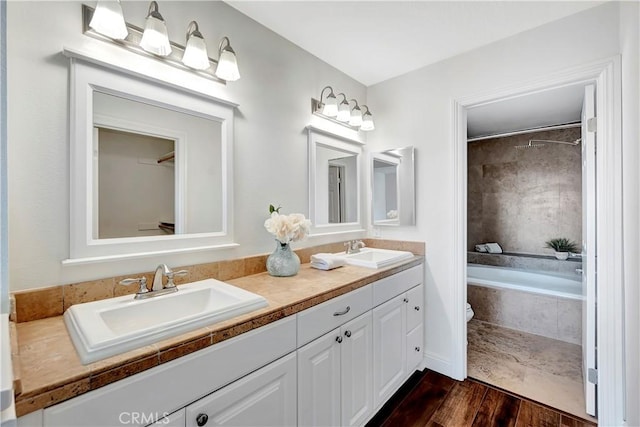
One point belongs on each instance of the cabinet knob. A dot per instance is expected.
(201, 419)
(416, 308)
(418, 349)
(406, 300)
(347, 334)
(338, 339)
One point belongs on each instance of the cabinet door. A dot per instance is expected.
(319, 381)
(415, 312)
(389, 348)
(356, 370)
(266, 397)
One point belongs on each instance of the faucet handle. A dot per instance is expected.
(173, 274)
(140, 280)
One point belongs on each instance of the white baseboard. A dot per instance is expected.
(436, 363)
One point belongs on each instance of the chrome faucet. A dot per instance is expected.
(157, 287)
(161, 271)
(354, 246)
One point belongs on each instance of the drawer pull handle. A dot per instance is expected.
(418, 349)
(343, 312)
(347, 334)
(405, 300)
(339, 339)
(202, 419)
(416, 308)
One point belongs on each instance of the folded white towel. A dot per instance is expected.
(324, 261)
(481, 248)
(493, 248)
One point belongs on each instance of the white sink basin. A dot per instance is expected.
(101, 329)
(375, 258)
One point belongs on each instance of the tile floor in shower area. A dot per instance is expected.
(543, 369)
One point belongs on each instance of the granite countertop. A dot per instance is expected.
(49, 371)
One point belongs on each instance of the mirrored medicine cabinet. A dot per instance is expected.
(151, 166)
(393, 187)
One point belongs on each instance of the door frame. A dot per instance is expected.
(610, 308)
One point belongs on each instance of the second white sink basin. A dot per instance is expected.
(101, 329)
(375, 258)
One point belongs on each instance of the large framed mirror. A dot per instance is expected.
(334, 182)
(150, 167)
(393, 187)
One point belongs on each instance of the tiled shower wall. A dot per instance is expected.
(521, 198)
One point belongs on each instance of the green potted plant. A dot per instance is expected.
(562, 246)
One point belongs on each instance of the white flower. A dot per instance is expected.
(288, 228)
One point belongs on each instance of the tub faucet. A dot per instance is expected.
(354, 246)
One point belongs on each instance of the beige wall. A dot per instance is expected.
(521, 198)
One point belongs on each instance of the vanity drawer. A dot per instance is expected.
(389, 287)
(331, 314)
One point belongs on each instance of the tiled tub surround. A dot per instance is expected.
(549, 316)
(50, 370)
(526, 262)
(521, 198)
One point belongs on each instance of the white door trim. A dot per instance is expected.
(610, 313)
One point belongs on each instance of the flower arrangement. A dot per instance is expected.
(287, 228)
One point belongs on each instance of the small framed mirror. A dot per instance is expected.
(150, 167)
(393, 187)
(334, 183)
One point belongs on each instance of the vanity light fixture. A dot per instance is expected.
(153, 41)
(341, 112)
(195, 54)
(108, 20)
(155, 38)
(227, 68)
(367, 120)
(344, 111)
(356, 115)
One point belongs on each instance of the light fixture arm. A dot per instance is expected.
(344, 98)
(366, 112)
(356, 106)
(322, 92)
(193, 31)
(153, 11)
(225, 44)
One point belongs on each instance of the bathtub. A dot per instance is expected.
(538, 282)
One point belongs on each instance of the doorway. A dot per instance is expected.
(525, 189)
(610, 359)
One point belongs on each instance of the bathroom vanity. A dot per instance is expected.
(330, 349)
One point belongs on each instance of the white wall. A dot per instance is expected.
(270, 148)
(415, 109)
(630, 48)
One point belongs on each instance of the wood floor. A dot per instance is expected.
(432, 399)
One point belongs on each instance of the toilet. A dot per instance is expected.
(469, 312)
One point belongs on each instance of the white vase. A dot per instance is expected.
(562, 255)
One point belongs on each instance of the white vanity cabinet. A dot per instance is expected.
(334, 376)
(397, 334)
(266, 397)
(146, 397)
(333, 364)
